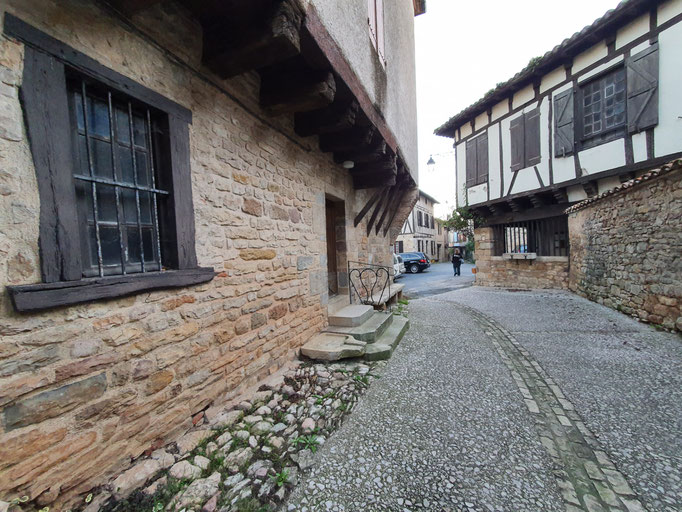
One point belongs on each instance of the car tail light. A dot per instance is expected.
(422, 261)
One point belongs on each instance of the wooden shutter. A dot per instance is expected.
(45, 103)
(516, 130)
(471, 162)
(642, 89)
(380, 29)
(372, 20)
(532, 137)
(563, 123)
(482, 159)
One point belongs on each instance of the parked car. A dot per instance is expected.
(415, 261)
(398, 267)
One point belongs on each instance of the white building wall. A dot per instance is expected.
(668, 132)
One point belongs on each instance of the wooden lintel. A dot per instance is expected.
(299, 91)
(256, 46)
(346, 140)
(336, 117)
(366, 208)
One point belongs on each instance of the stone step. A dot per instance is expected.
(370, 330)
(332, 347)
(351, 316)
(386, 344)
(338, 302)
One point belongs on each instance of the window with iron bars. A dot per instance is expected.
(114, 175)
(544, 237)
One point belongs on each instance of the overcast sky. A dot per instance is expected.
(465, 48)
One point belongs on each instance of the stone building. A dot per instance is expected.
(598, 110)
(419, 232)
(181, 185)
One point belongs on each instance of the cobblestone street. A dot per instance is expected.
(512, 401)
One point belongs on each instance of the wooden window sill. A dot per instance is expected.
(36, 297)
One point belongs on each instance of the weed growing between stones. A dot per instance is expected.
(251, 457)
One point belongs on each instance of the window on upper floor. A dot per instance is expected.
(112, 163)
(419, 219)
(525, 140)
(426, 220)
(432, 223)
(619, 101)
(375, 21)
(477, 160)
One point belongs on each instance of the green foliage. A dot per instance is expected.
(362, 379)
(250, 505)
(533, 62)
(310, 442)
(461, 221)
(404, 302)
(281, 477)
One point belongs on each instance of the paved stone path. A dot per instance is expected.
(495, 400)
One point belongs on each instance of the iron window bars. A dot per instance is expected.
(115, 180)
(544, 237)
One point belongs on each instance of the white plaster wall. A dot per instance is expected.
(603, 157)
(601, 68)
(460, 169)
(494, 160)
(545, 149)
(639, 146)
(523, 96)
(481, 121)
(668, 132)
(506, 154)
(607, 184)
(632, 31)
(668, 11)
(466, 130)
(576, 193)
(588, 57)
(499, 110)
(478, 194)
(552, 79)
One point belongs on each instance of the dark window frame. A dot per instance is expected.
(47, 62)
(619, 131)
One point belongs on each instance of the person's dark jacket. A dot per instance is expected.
(456, 259)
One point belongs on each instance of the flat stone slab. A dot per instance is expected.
(370, 330)
(332, 347)
(387, 342)
(351, 316)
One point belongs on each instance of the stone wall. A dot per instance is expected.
(626, 250)
(543, 272)
(85, 390)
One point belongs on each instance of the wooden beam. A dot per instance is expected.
(537, 201)
(380, 166)
(365, 209)
(376, 150)
(296, 91)
(257, 45)
(513, 205)
(336, 117)
(590, 188)
(392, 196)
(346, 140)
(626, 177)
(384, 195)
(374, 180)
(396, 207)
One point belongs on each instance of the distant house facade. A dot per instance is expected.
(182, 185)
(420, 232)
(602, 108)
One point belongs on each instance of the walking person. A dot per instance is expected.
(457, 262)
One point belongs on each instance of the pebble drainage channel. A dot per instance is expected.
(588, 479)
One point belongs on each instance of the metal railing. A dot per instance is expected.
(369, 284)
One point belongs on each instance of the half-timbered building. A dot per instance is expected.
(419, 229)
(601, 108)
(182, 184)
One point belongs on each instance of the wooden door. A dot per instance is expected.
(332, 269)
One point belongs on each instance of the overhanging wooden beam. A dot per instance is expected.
(296, 91)
(130, 7)
(255, 46)
(374, 180)
(336, 117)
(379, 206)
(347, 140)
(366, 208)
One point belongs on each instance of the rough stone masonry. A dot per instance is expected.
(85, 390)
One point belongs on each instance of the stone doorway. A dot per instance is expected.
(335, 217)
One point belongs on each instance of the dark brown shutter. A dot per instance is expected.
(46, 111)
(642, 89)
(471, 162)
(516, 130)
(482, 159)
(532, 137)
(563, 123)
